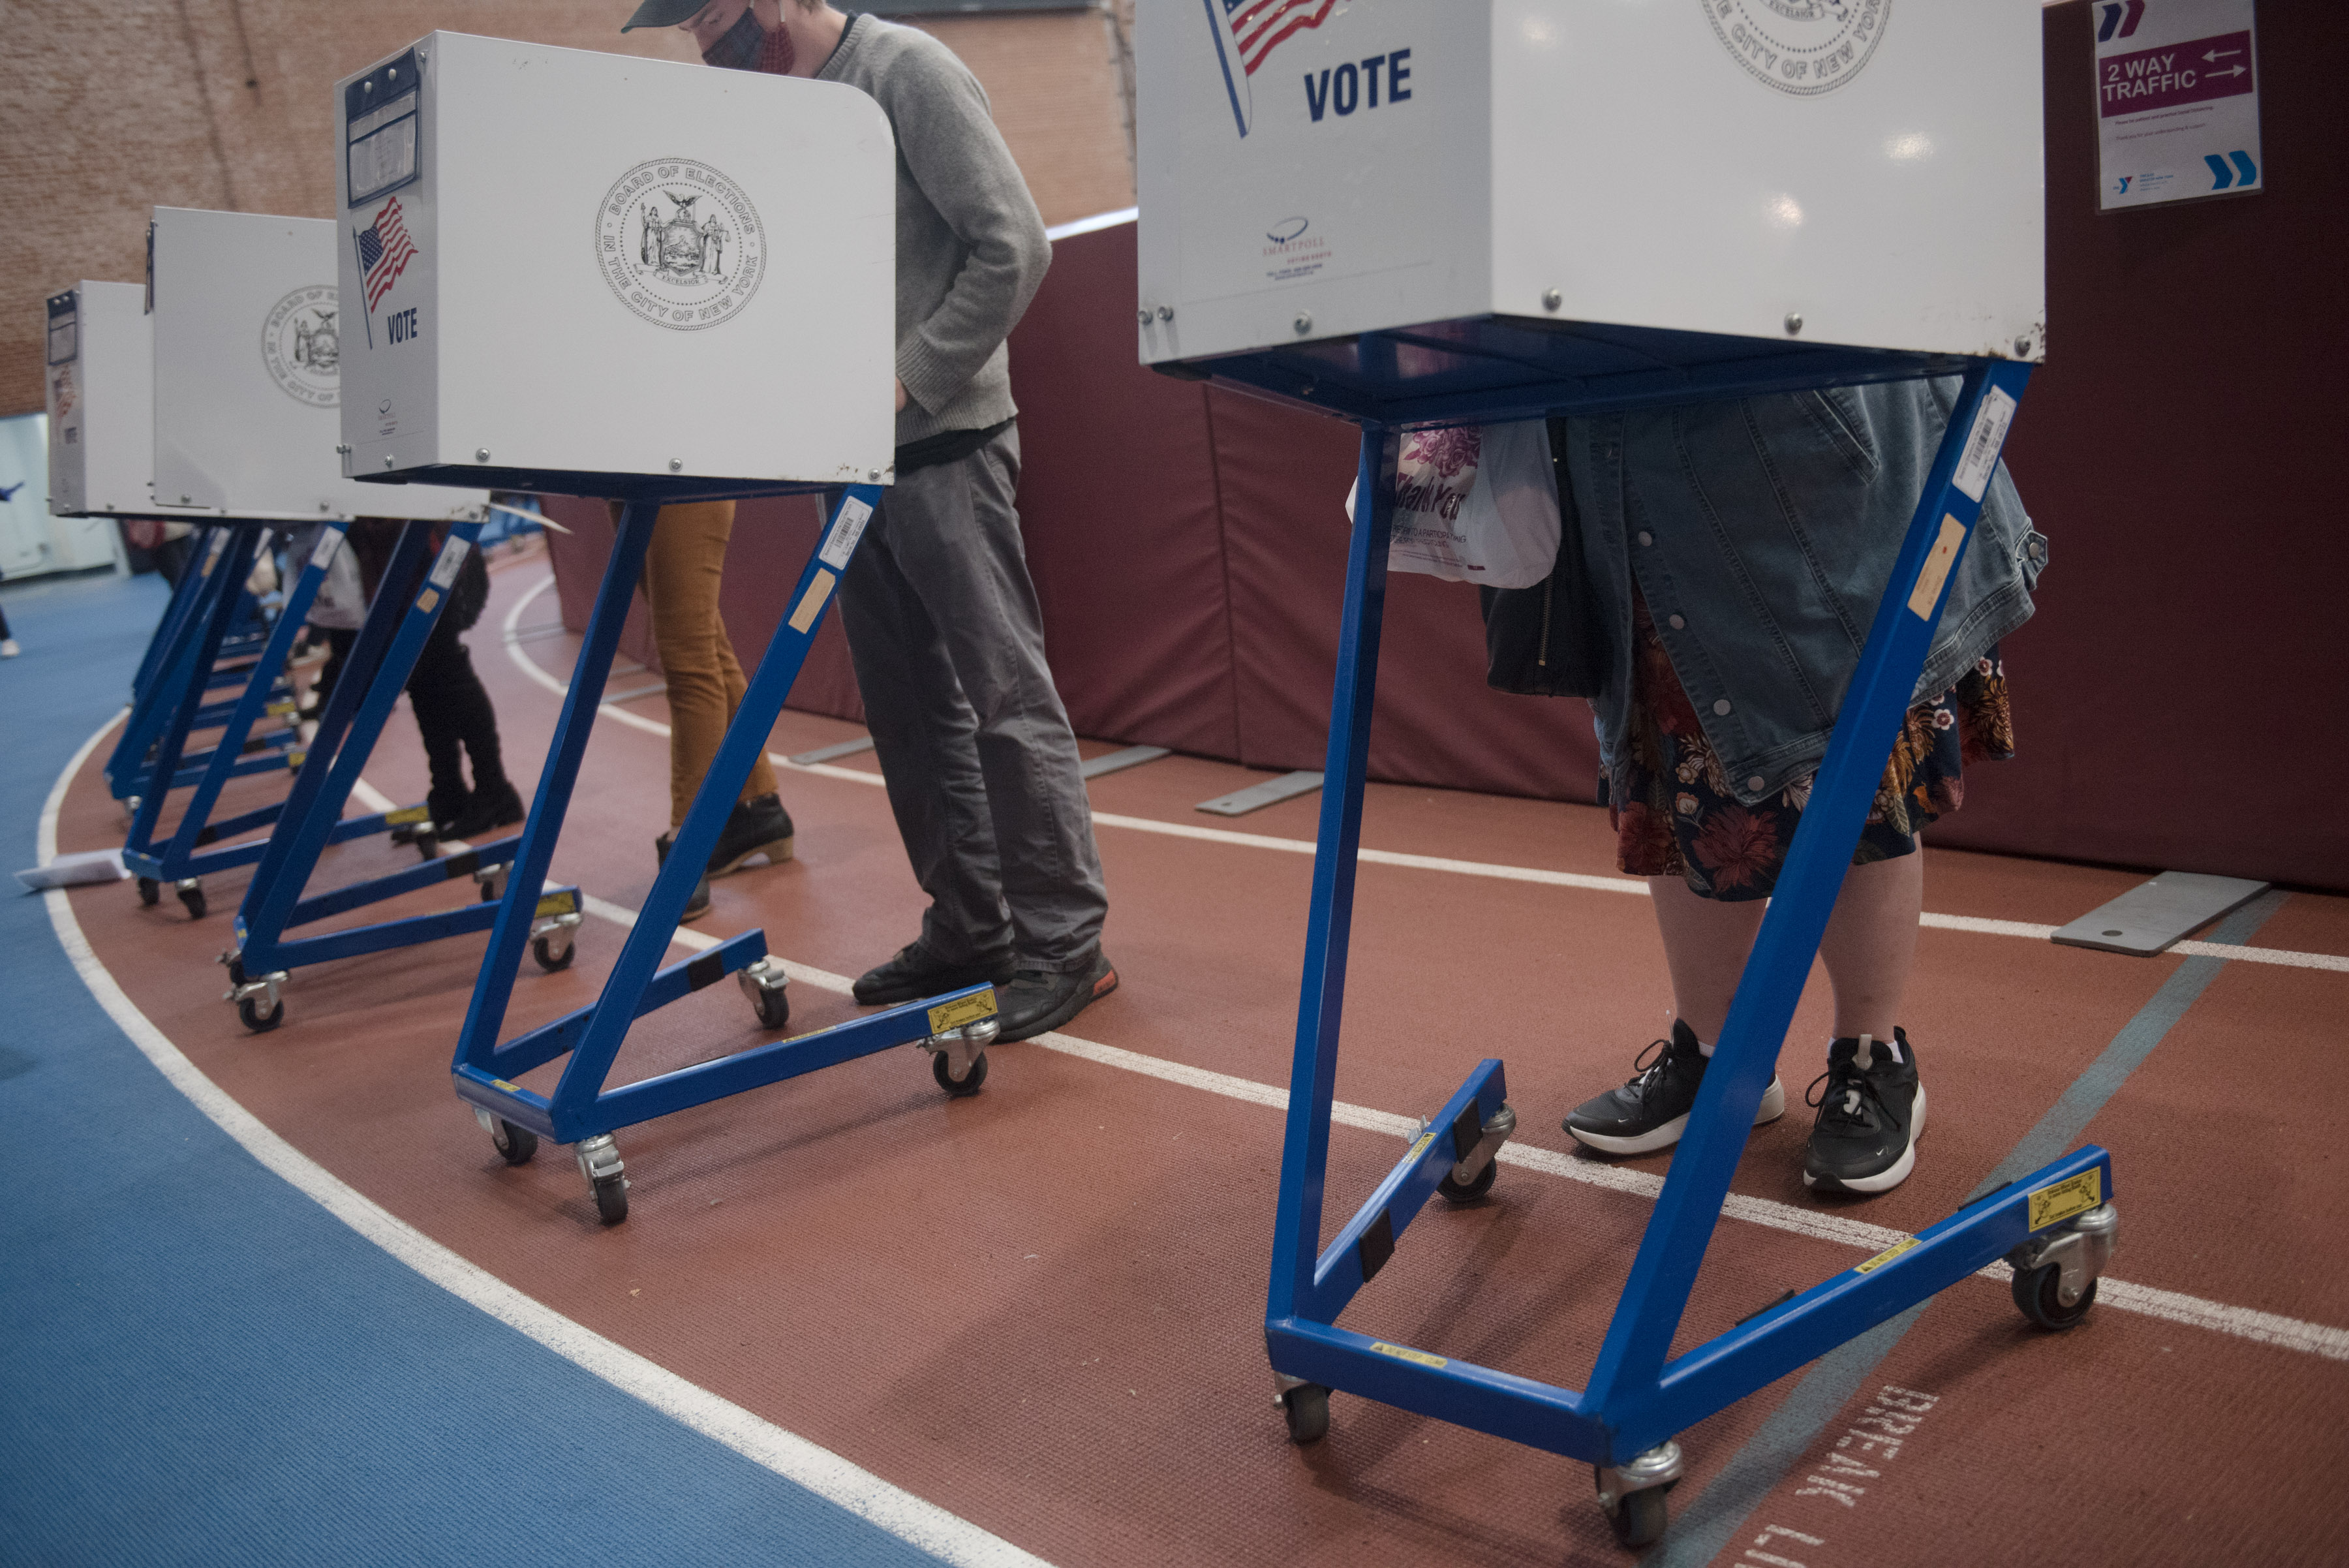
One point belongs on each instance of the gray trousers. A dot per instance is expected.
(948, 642)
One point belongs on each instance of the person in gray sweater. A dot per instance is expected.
(943, 621)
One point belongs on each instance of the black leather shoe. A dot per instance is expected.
(696, 906)
(485, 809)
(1037, 1000)
(758, 825)
(914, 975)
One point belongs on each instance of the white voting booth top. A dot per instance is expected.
(100, 380)
(248, 357)
(1601, 194)
(597, 274)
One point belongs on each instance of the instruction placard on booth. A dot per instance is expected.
(2177, 101)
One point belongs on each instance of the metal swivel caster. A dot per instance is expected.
(550, 942)
(764, 982)
(2056, 1272)
(516, 1145)
(150, 891)
(190, 891)
(599, 1162)
(1305, 1407)
(259, 1004)
(1473, 1177)
(1633, 1494)
(493, 879)
(958, 1055)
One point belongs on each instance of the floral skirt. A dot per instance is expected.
(1675, 813)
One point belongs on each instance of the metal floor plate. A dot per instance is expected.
(1255, 797)
(2152, 916)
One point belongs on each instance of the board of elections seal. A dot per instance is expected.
(301, 345)
(680, 244)
(1801, 47)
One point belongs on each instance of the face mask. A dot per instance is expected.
(738, 49)
(748, 47)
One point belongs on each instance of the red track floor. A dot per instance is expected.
(1042, 1307)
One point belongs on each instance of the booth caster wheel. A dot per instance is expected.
(551, 957)
(2039, 1295)
(773, 1007)
(259, 1013)
(1469, 1192)
(1639, 1520)
(1306, 1407)
(191, 894)
(599, 1162)
(427, 845)
(150, 892)
(942, 1069)
(516, 1145)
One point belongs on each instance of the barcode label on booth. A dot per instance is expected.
(1997, 412)
(846, 529)
(452, 556)
(329, 543)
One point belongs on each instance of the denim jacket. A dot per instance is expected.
(1762, 533)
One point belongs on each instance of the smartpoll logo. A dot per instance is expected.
(1246, 32)
(2118, 19)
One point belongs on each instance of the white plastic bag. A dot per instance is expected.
(1476, 504)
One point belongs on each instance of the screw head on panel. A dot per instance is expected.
(1304, 322)
(1793, 323)
(1165, 313)
(677, 465)
(1552, 299)
(873, 474)
(344, 448)
(387, 460)
(1145, 316)
(2023, 347)
(481, 454)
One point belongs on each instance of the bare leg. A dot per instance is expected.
(1871, 943)
(1706, 944)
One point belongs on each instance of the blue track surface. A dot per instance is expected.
(198, 1365)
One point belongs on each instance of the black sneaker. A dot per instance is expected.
(1038, 1000)
(914, 975)
(696, 906)
(756, 825)
(1651, 1111)
(1871, 1112)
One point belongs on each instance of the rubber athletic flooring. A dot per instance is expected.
(1039, 1309)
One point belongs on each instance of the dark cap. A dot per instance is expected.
(662, 12)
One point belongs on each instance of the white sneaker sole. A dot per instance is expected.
(1891, 1176)
(1774, 1105)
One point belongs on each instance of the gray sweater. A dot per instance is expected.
(970, 244)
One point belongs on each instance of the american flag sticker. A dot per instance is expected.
(385, 251)
(1247, 31)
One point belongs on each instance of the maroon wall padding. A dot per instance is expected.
(2176, 697)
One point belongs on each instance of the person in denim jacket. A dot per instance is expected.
(1734, 554)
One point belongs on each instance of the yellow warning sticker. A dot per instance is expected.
(811, 602)
(295, 759)
(1425, 1138)
(406, 814)
(1938, 561)
(962, 1010)
(278, 710)
(1406, 1353)
(427, 599)
(1886, 1256)
(2052, 1205)
(563, 903)
(509, 1088)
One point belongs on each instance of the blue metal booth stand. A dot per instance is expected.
(956, 1027)
(2056, 1226)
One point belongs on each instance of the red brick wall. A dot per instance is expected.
(228, 104)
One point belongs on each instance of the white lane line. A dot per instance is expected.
(1977, 925)
(921, 1525)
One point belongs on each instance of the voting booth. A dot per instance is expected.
(587, 272)
(100, 380)
(601, 275)
(1429, 212)
(1641, 201)
(248, 351)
